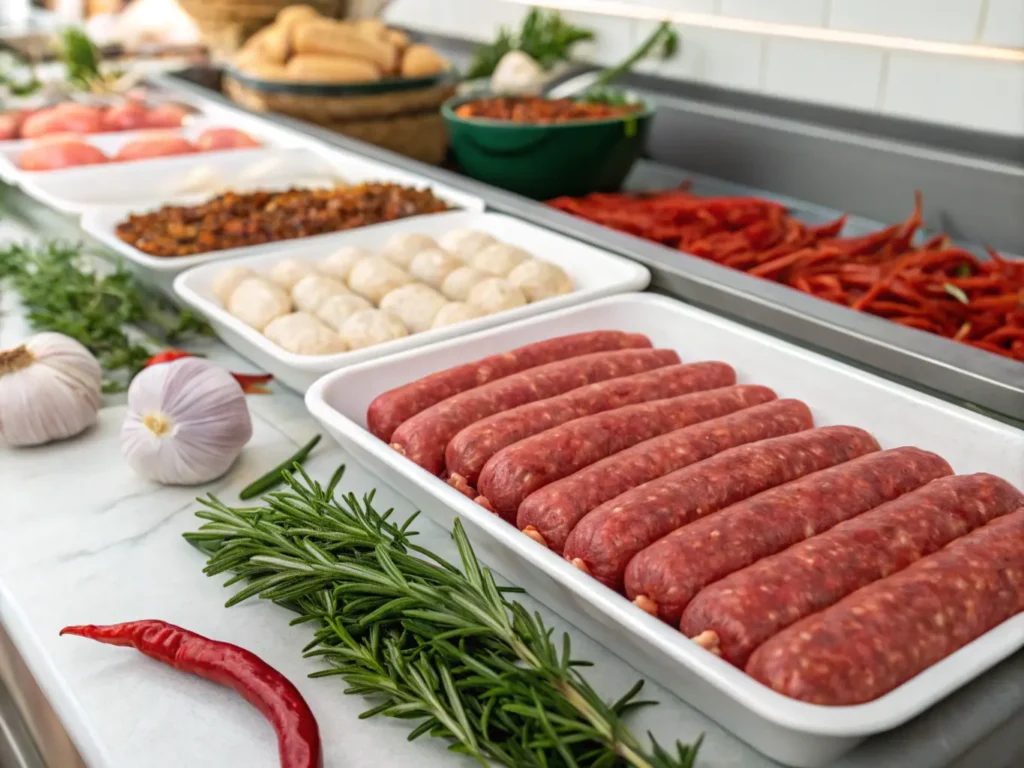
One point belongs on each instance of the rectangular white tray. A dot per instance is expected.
(76, 189)
(594, 272)
(792, 732)
(147, 180)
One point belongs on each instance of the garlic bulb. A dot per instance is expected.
(49, 389)
(187, 422)
(518, 74)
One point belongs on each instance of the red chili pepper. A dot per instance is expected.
(298, 737)
(251, 383)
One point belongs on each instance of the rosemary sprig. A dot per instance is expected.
(433, 641)
(61, 292)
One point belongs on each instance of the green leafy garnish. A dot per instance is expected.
(61, 292)
(662, 43)
(81, 57)
(429, 640)
(545, 36)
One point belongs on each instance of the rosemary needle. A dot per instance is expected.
(428, 639)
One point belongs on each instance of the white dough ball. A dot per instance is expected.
(288, 272)
(465, 243)
(340, 263)
(455, 312)
(313, 290)
(403, 247)
(227, 280)
(495, 294)
(340, 307)
(376, 277)
(460, 282)
(414, 304)
(499, 259)
(433, 266)
(540, 280)
(257, 301)
(303, 334)
(370, 327)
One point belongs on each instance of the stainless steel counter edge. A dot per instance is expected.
(932, 363)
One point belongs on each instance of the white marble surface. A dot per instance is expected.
(82, 539)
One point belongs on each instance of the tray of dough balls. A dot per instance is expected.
(306, 309)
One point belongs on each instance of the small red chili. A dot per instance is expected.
(298, 736)
(251, 383)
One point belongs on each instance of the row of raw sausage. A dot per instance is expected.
(718, 507)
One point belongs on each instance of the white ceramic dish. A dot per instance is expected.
(148, 181)
(63, 188)
(594, 272)
(790, 731)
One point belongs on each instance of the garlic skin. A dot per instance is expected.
(187, 422)
(518, 74)
(49, 390)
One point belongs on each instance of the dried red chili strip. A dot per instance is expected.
(298, 737)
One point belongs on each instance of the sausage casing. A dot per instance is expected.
(424, 438)
(552, 512)
(391, 408)
(891, 630)
(670, 572)
(515, 472)
(606, 540)
(469, 450)
(747, 607)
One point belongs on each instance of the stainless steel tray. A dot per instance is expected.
(937, 365)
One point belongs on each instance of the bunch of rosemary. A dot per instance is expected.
(435, 642)
(62, 292)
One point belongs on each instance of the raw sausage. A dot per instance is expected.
(393, 407)
(517, 471)
(738, 613)
(472, 447)
(607, 538)
(549, 515)
(424, 437)
(663, 578)
(886, 633)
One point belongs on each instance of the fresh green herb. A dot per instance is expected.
(662, 43)
(545, 36)
(61, 292)
(81, 58)
(276, 475)
(432, 641)
(956, 292)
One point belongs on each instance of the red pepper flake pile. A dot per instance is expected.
(535, 110)
(933, 287)
(298, 737)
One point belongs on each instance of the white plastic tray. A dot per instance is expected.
(792, 732)
(146, 181)
(63, 189)
(595, 273)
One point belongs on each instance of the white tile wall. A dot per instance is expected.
(812, 13)
(954, 21)
(988, 95)
(810, 70)
(1003, 23)
(716, 57)
(970, 92)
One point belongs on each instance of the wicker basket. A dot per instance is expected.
(407, 121)
(226, 24)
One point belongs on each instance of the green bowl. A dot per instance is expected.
(545, 161)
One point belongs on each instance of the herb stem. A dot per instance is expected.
(434, 641)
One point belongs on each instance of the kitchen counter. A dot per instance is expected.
(84, 540)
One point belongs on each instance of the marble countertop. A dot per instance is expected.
(85, 540)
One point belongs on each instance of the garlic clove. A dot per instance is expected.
(187, 422)
(49, 390)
